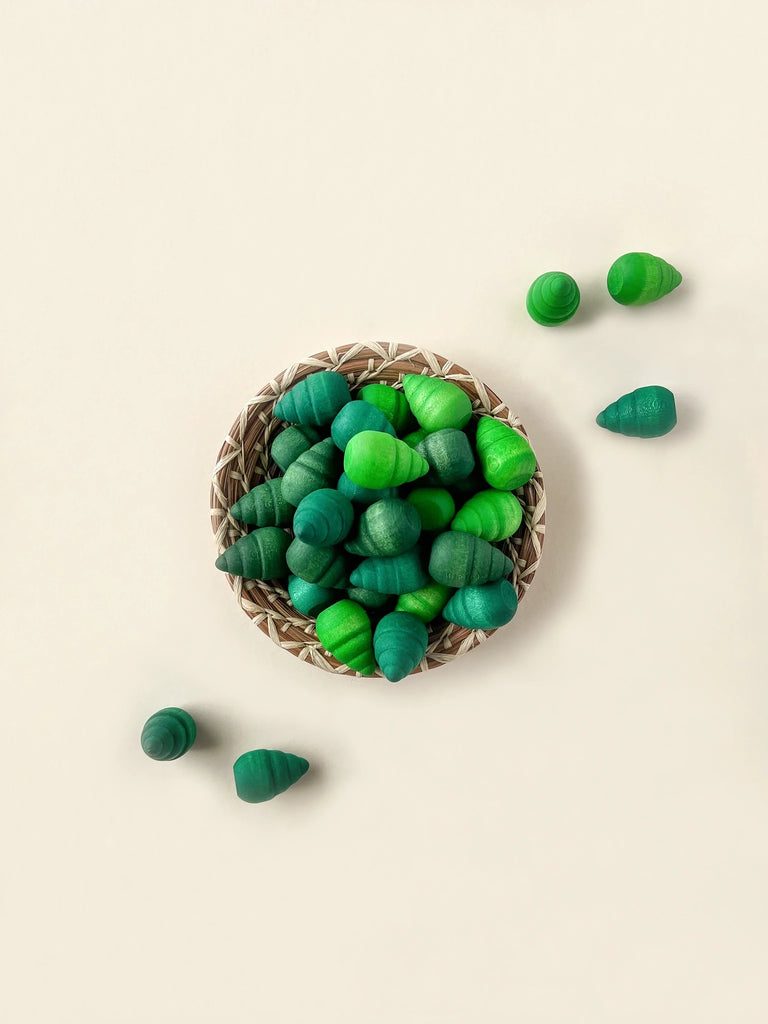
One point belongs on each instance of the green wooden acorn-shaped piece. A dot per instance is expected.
(637, 278)
(323, 518)
(309, 598)
(436, 403)
(344, 629)
(449, 455)
(364, 495)
(435, 506)
(645, 412)
(168, 734)
(492, 515)
(482, 607)
(289, 444)
(399, 643)
(506, 457)
(392, 403)
(553, 298)
(461, 559)
(261, 775)
(259, 555)
(314, 400)
(356, 417)
(426, 603)
(264, 505)
(374, 460)
(328, 567)
(317, 467)
(398, 575)
(388, 527)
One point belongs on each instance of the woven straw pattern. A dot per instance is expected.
(244, 462)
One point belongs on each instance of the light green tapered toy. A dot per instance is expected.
(344, 630)
(426, 603)
(388, 527)
(449, 455)
(315, 468)
(261, 775)
(314, 400)
(288, 445)
(374, 460)
(461, 559)
(553, 298)
(637, 278)
(487, 606)
(398, 575)
(436, 403)
(399, 644)
(264, 505)
(506, 458)
(328, 567)
(391, 402)
(492, 515)
(645, 412)
(259, 555)
(323, 518)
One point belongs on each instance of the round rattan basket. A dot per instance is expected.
(244, 462)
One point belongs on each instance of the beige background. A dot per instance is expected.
(567, 826)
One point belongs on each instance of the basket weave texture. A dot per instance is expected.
(244, 462)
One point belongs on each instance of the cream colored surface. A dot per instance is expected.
(570, 824)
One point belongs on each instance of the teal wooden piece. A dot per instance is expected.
(364, 495)
(314, 400)
(492, 515)
(437, 403)
(399, 644)
(426, 603)
(323, 518)
(487, 606)
(370, 599)
(553, 298)
(435, 506)
(391, 402)
(506, 458)
(374, 460)
(388, 527)
(309, 598)
(168, 734)
(461, 559)
(259, 555)
(264, 505)
(328, 567)
(344, 630)
(318, 467)
(645, 412)
(637, 278)
(449, 455)
(289, 444)
(397, 575)
(356, 417)
(261, 775)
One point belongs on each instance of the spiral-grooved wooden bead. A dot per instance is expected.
(264, 505)
(487, 606)
(374, 460)
(645, 412)
(309, 598)
(314, 400)
(388, 527)
(461, 559)
(259, 555)
(289, 444)
(317, 467)
(426, 603)
(356, 417)
(506, 458)
(553, 298)
(327, 567)
(323, 518)
(492, 515)
(399, 644)
(437, 403)
(344, 629)
(261, 775)
(637, 278)
(397, 575)
(449, 455)
(168, 734)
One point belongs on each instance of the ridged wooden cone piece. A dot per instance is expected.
(645, 412)
(553, 298)
(356, 417)
(375, 460)
(399, 644)
(261, 775)
(323, 518)
(264, 505)
(506, 458)
(168, 734)
(637, 278)
(391, 402)
(487, 606)
(436, 403)
(426, 603)
(371, 599)
(386, 528)
(344, 629)
(461, 559)
(363, 495)
(259, 555)
(399, 575)
(289, 444)
(317, 467)
(314, 400)
(435, 506)
(491, 515)
(310, 598)
(449, 455)
(327, 567)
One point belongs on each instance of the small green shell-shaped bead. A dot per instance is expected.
(553, 298)
(435, 506)
(373, 460)
(436, 403)
(264, 505)
(315, 468)
(461, 559)
(415, 436)
(259, 555)
(426, 603)
(638, 277)
(323, 518)
(449, 455)
(397, 575)
(392, 403)
(291, 442)
(314, 400)
(263, 774)
(310, 598)
(364, 495)
(506, 457)
(168, 734)
(388, 527)
(355, 417)
(344, 629)
(399, 643)
(484, 607)
(368, 598)
(327, 567)
(492, 515)
(645, 412)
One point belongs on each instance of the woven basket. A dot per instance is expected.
(244, 462)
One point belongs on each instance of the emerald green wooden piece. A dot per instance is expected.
(396, 575)
(482, 607)
(637, 278)
(426, 603)
(344, 630)
(449, 455)
(310, 598)
(435, 506)
(415, 436)
(364, 495)
(356, 417)
(374, 460)
(289, 444)
(317, 467)
(388, 527)
(461, 559)
(492, 515)
(506, 458)
(261, 775)
(323, 518)
(645, 412)
(553, 298)
(314, 400)
(168, 734)
(436, 403)
(264, 505)
(259, 555)
(392, 403)
(399, 644)
(368, 598)
(328, 567)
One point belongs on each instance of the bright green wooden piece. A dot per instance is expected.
(399, 644)
(436, 403)
(374, 460)
(506, 458)
(391, 402)
(318, 467)
(314, 400)
(368, 598)
(461, 559)
(388, 527)
(415, 436)
(327, 567)
(364, 495)
(645, 412)
(309, 598)
(168, 734)
(259, 555)
(492, 515)
(426, 603)
(397, 575)
(482, 607)
(264, 505)
(553, 298)
(344, 630)
(356, 417)
(637, 278)
(323, 518)
(288, 445)
(261, 775)
(449, 455)
(435, 506)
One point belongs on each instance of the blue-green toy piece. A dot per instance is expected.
(314, 400)
(368, 598)
(168, 734)
(487, 606)
(645, 412)
(388, 527)
(309, 598)
(461, 559)
(553, 298)
(259, 555)
(364, 495)
(449, 455)
(264, 505)
(318, 467)
(327, 567)
(290, 443)
(398, 575)
(356, 417)
(399, 644)
(323, 518)
(261, 775)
